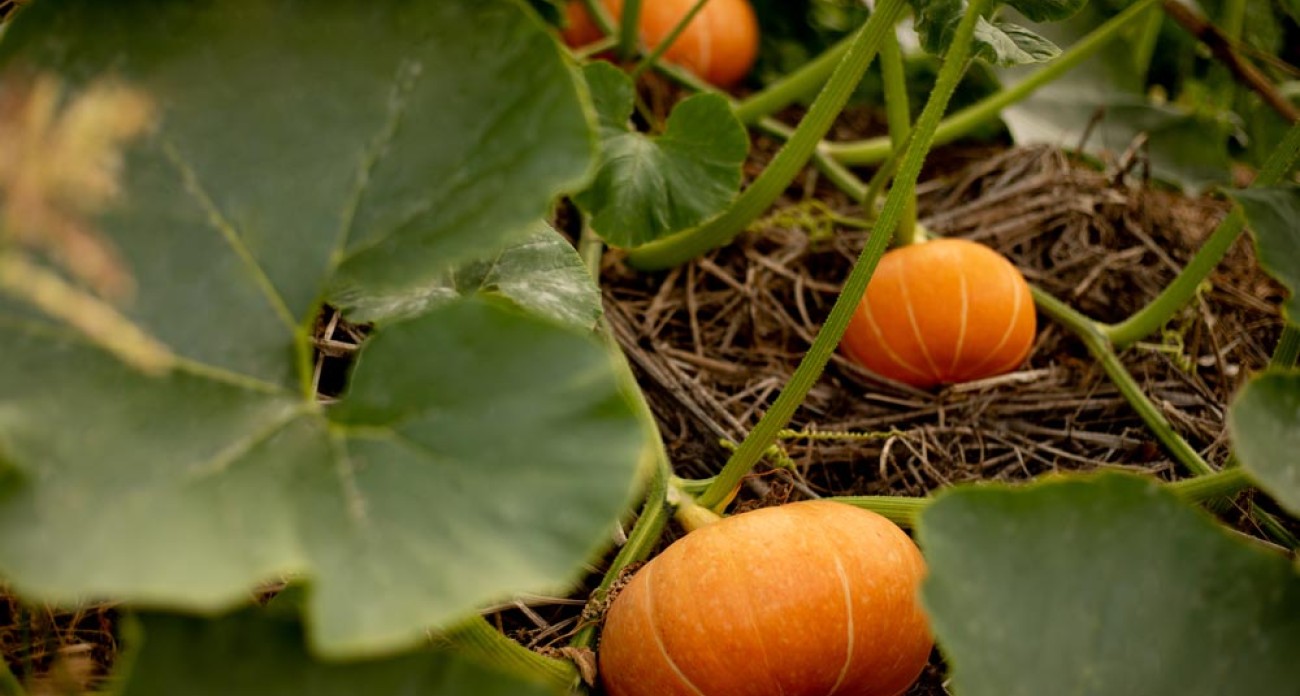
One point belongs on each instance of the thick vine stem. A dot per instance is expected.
(601, 17)
(778, 174)
(876, 150)
(1177, 294)
(1220, 484)
(627, 29)
(781, 93)
(898, 114)
(640, 543)
(477, 638)
(902, 511)
(814, 361)
(1095, 340)
(1287, 351)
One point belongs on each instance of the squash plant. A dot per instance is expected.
(163, 445)
(297, 154)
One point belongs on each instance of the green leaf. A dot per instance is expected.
(458, 469)
(1264, 421)
(1006, 44)
(302, 146)
(541, 273)
(463, 446)
(251, 654)
(1000, 43)
(1292, 8)
(1104, 585)
(1273, 215)
(649, 187)
(1103, 105)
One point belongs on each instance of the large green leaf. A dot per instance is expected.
(1105, 585)
(541, 273)
(309, 143)
(649, 187)
(251, 654)
(302, 146)
(456, 470)
(1265, 424)
(1274, 218)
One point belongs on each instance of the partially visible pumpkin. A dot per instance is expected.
(941, 312)
(805, 599)
(720, 44)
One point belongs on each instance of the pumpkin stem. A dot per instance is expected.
(690, 514)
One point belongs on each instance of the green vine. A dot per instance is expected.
(781, 93)
(1287, 351)
(627, 29)
(778, 174)
(651, 58)
(876, 150)
(1100, 347)
(898, 114)
(814, 361)
(1177, 294)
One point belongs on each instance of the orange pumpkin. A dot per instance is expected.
(944, 311)
(720, 44)
(805, 599)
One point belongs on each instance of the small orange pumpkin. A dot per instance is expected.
(720, 44)
(944, 311)
(805, 599)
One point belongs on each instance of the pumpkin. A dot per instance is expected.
(805, 599)
(719, 45)
(941, 312)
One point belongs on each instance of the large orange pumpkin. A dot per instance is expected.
(807, 599)
(720, 44)
(944, 311)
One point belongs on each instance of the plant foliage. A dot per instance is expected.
(302, 151)
(649, 187)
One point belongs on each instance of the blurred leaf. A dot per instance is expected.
(1007, 44)
(252, 654)
(1292, 9)
(649, 187)
(1107, 586)
(541, 273)
(1265, 424)
(1105, 99)
(1273, 216)
(301, 146)
(430, 490)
